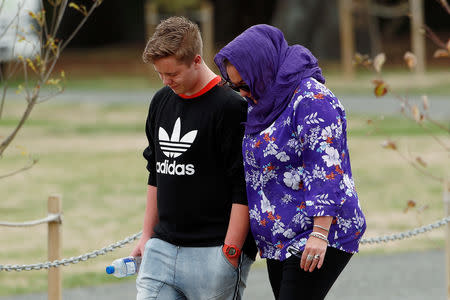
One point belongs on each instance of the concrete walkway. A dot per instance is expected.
(354, 104)
(411, 276)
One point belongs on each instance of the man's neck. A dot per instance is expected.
(206, 75)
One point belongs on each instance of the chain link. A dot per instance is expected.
(72, 260)
(119, 244)
(406, 234)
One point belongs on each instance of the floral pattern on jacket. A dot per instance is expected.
(299, 168)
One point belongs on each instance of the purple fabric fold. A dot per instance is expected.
(271, 68)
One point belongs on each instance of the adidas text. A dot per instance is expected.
(174, 169)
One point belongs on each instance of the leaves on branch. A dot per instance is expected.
(81, 8)
(31, 65)
(421, 162)
(23, 150)
(363, 60)
(55, 3)
(418, 117)
(378, 62)
(441, 53)
(19, 89)
(444, 51)
(410, 59)
(53, 81)
(422, 208)
(380, 88)
(425, 102)
(409, 205)
(52, 43)
(388, 144)
(39, 17)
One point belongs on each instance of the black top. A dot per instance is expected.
(194, 158)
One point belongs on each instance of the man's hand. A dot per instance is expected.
(139, 249)
(234, 261)
(238, 228)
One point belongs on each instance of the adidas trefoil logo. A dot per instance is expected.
(174, 146)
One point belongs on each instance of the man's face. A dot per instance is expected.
(179, 76)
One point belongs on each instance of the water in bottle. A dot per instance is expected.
(125, 266)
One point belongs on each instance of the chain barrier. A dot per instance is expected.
(406, 234)
(72, 260)
(112, 247)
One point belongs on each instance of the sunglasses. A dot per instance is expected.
(239, 87)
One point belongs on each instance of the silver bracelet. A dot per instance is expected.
(321, 227)
(319, 236)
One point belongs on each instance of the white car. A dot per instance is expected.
(16, 35)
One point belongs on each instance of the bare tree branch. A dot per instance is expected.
(60, 15)
(13, 134)
(407, 105)
(91, 10)
(433, 37)
(419, 168)
(48, 97)
(29, 166)
(445, 5)
(19, 8)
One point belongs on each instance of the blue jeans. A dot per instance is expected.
(170, 272)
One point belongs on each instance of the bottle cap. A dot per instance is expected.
(110, 269)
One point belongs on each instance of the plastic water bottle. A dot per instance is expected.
(125, 266)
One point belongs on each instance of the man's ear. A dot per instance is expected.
(197, 59)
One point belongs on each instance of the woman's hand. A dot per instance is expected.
(314, 254)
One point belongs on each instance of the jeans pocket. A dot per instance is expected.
(226, 261)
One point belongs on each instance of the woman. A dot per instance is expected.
(301, 194)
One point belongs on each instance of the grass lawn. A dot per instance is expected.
(91, 154)
(436, 82)
(123, 69)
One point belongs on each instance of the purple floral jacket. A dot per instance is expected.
(299, 168)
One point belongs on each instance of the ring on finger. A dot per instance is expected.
(309, 257)
(317, 256)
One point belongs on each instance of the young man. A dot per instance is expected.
(195, 242)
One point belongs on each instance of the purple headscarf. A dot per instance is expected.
(271, 68)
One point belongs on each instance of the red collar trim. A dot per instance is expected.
(206, 88)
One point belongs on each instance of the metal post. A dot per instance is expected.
(417, 36)
(54, 248)
(347, 37)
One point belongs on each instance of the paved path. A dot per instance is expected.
(388, 105)
(411, 276)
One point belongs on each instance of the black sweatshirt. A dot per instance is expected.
(194, 158)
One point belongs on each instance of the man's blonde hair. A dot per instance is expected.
(175, 36)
